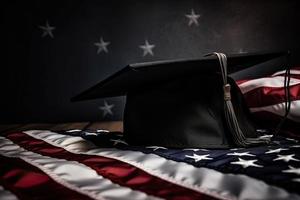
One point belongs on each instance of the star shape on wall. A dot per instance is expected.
(246, 163)
(198, 158)
(240, 154)
(102, 46)
(147, 48)
(155, 147)
(275, 150)
(193, 18)
(292, 170)
(107, 109)
(286, 158)
(47, 30)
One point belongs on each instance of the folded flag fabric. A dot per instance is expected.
(77, 164)
(266, 99)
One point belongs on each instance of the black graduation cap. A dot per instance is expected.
(184, 103)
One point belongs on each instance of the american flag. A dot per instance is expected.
(78, 164)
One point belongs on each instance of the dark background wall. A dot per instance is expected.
(40, 74)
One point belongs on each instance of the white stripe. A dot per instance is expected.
(279, 109)
(7, 195)
(292, 71)
(277, 81)
(72, 174)
(208, 181)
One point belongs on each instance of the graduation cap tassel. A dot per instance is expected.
(238, 136)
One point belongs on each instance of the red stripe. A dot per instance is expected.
(270, 120)
(117, 171)
(29, 182)
(266, 96)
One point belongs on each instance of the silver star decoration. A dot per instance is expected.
(197, 158)
(118, 141)
(147, 48)
(275, 150)
(155, 147)
(240, 154)
(193, 18)
(286, 158)
(246, 163)
(107, 108)
(292, 170)
(102, 46)
(47, 30)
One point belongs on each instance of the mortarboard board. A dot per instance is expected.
(184, 103)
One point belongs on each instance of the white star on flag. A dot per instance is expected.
(292, 170)
(286, 158)
(199, 157)
(47, 30)
(275, 150)
(240, 154)
(147, 48)
(107, 108)
(118, 141)
(246, 163)
(102, 46)
(155, 147)
(193, 18)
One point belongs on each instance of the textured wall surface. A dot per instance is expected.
(54, 48)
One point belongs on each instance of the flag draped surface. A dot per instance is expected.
(75, 164)
(84, 164)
